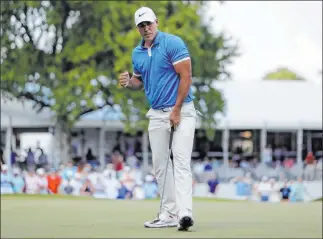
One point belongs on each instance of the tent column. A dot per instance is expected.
(225, 145)
(263, 143)
(299, 146)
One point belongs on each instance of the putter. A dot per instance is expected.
(169, 153)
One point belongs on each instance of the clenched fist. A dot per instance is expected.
(124, 79)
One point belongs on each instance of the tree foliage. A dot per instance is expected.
(67, 55)
(282, 74)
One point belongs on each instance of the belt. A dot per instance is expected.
(167, 109)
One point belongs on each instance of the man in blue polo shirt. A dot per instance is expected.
(162, 67)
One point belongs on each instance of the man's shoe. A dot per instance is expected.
(185, 223)
(162, 222)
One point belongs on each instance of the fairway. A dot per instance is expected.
(58, 217)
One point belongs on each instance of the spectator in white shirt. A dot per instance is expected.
(127, 178)
(32, 182)
(137, 175)
(77, 184)
(93, 176)
(111, 185)
(264, 189)
(42, 181)
(110, 170)
(198, 169)
(275, 192)
(138, 193)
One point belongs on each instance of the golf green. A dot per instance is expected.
(36, 216)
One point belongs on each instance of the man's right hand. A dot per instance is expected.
(124, 79)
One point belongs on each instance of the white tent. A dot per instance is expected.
(270, 105)
(23, 115)
(277, 105)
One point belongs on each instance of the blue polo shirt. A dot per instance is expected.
(155, 66)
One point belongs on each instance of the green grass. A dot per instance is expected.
(69, 217)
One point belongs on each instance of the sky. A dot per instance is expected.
(272, 34)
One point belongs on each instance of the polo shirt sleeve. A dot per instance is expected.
(177, 50)
(136, 72)
(135, 69)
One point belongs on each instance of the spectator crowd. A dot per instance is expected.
(129, 182)
(269, 189)
(122, 177)
(78, 180)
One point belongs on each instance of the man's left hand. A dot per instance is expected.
(175, 117)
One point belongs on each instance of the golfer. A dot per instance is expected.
(162, 67)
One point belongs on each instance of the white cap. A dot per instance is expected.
(144, 14)
(149, 178)
(40, 171)
(4, 167)
(16, 171)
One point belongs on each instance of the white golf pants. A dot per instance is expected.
(177, 198)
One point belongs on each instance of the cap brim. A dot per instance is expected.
(145, 19)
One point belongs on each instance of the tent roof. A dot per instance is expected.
(23, 114)
(277, 104)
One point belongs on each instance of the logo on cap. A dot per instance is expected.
(142, 14)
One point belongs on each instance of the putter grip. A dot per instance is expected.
(171, 137)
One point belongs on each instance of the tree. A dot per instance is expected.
(67, 55)
(282, 74)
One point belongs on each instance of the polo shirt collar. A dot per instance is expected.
(155, 41)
